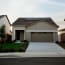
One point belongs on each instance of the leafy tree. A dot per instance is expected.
(2, 33)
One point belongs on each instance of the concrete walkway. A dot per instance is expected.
(38, 50)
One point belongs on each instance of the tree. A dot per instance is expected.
(2, 33)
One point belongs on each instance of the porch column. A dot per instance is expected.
(24, 35)
(13, 35)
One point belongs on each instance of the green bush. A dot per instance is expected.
(25, 41)
(13, 47)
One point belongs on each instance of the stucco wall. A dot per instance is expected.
(28, 36)
(8, 26)
(4, 21)
(42, 26)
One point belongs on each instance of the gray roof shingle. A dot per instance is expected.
(30, 21)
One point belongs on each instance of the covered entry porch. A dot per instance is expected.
(19, 35)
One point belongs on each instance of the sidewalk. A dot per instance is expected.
(19, 55)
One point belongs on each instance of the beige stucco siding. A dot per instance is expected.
(8, 26)
(42, 26)
(28, 36)
(4, 21)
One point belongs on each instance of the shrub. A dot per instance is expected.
(13, 47)
(25, 41)
(57, 42)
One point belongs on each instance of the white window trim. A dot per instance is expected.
(41, 30)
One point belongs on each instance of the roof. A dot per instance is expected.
(30, 21)
(1, 16)
(62, 29)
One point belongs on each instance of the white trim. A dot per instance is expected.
(41, 30)
(19, 28)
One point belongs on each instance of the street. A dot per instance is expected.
(33, 61)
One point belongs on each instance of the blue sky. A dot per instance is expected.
(60, 1)
(51, 9)
(34, 8)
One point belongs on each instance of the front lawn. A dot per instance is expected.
(13, 47)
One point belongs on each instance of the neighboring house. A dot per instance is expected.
(62, 35)
(5, 21)
(35, 30)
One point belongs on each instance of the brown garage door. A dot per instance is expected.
(42, 37)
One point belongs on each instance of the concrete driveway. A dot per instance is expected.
(40, 48)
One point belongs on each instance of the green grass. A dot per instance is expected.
(10, 47)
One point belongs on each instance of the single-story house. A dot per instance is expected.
(35, 30)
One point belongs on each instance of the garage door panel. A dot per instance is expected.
(41, 37)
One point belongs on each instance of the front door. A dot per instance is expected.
(19, 35)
